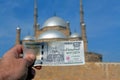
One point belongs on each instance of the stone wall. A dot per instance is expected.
(89, 71)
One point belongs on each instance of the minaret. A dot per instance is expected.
(35, 17)
(18, 31)
(83, 26)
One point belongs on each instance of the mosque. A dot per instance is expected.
(57, 29)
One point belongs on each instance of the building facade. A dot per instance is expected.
(57, 29)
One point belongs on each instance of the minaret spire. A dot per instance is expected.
(81, 12)
(54, 8)
(18, 30)
(83, 26)
(35, 17)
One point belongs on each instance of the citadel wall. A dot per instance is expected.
(89, 71)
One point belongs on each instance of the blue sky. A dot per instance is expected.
(102, 19)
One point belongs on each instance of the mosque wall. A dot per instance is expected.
(89, 71)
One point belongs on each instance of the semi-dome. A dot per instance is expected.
(74, 35)
(51, 34)
(55, 21)
(28, 38)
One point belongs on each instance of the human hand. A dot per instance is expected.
(12, 67)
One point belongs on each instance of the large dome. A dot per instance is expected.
(51, 34)
(55, 21)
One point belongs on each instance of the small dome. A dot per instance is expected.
(29, 38)
(74, 35)
(55, 21)
(51, 34)
(18, 28)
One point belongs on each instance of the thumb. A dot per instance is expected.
(29, 56)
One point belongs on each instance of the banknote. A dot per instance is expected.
(62, 53)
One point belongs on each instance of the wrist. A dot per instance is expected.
(3, 72)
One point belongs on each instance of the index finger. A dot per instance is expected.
(14, 52)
